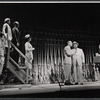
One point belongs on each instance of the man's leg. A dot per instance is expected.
(1, 64)
(75, 71)
(6, 50)
(80, 74)
(67, 72)
(75, 74)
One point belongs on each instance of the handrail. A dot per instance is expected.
(9, 42)
(16, 64)
(20, 52)
(8, 54)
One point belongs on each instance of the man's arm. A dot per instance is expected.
(70, 52)
(14, 34)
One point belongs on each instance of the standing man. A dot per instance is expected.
(68, 53)
(6, 30)
(78, 61)
(16, 41)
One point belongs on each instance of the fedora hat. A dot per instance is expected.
(75, 43)
(16, 22)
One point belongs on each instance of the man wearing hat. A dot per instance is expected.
(16, 41)
(6, 30)
(78, 60)
(68, 53)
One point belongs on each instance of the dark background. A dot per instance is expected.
(84, 17)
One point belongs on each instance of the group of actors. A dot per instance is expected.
(13, 35)
(74, 62)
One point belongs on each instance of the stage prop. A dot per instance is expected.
(96, 63)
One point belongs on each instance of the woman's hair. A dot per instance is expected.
(6, 21)
(26, 40)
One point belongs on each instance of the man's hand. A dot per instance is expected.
(33, 48)
(17, 44)
(75, 50)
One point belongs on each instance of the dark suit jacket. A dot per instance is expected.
(16, 36)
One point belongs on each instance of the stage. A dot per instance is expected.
(88, 90)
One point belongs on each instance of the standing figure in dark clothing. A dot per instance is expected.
(16, 41)
(98, 52)
(97, 66)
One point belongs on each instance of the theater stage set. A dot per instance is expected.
(51, 26)
(88, 90)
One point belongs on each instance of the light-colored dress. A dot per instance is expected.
(28, 52)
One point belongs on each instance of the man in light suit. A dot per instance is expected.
(6, 30)
(68, 52)
(78, 61)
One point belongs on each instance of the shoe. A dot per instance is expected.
(76, 83)
(81, 83)
(68, 83)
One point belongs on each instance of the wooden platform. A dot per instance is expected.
(50, 90)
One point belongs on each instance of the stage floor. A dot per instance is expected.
(33, 90)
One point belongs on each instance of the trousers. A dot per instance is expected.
(67, 72)
(77, 73)
(1, 64)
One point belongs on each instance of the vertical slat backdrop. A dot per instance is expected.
(49, 46)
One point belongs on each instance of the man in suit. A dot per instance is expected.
(16, 41)
(68, 53)
(78, 60)
(6, 30)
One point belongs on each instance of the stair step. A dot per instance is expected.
(15, 86)
(20, 68)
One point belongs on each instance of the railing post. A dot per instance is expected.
(27, 75)
(8, 54)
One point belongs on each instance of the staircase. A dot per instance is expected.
(17, 71)
(21, 73)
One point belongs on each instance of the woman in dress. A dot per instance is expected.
(28, 52)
